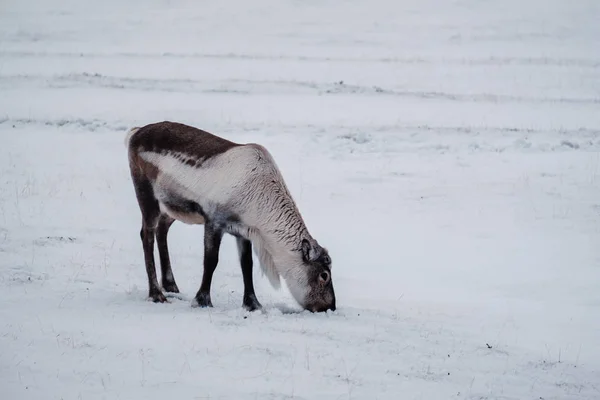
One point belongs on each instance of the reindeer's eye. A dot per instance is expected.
(324, 277)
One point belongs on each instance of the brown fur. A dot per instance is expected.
(179, 138)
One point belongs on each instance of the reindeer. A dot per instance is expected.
(183, 173)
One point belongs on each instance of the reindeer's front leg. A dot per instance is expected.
(250, 302)
(212, 243)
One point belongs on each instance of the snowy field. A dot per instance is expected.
(447, 153)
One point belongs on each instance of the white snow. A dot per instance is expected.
(447, 153)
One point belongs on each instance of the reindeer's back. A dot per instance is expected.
(177, 138)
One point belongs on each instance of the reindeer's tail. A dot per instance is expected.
(130, 133)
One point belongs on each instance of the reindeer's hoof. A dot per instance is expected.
(202, 300)
(170, 287)
(158, 297)
(251, 303)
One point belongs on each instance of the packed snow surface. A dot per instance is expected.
(447, 153)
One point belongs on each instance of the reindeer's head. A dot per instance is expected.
(314, 291)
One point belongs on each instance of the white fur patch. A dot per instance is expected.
(214, 183)
(267, 265)
(190, 219)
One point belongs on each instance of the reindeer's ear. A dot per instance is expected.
(310, 252)
(306, 250)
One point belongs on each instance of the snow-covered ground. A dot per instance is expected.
(446, 152)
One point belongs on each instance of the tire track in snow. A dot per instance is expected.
(90, 125)
(464, 130)
(241, 86)
(390, 139)
(499, 61)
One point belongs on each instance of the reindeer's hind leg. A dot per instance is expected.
(150, 215)
(250, 302)
(168, 280)
(212, 243)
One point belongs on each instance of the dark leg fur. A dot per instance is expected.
(250, 302)
(154, 291)
(212, 243)
(168, 280)
(150, 214)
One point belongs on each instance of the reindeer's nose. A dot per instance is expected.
(323, 308)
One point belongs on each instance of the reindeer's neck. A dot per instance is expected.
(284, 223)
(277, 217)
